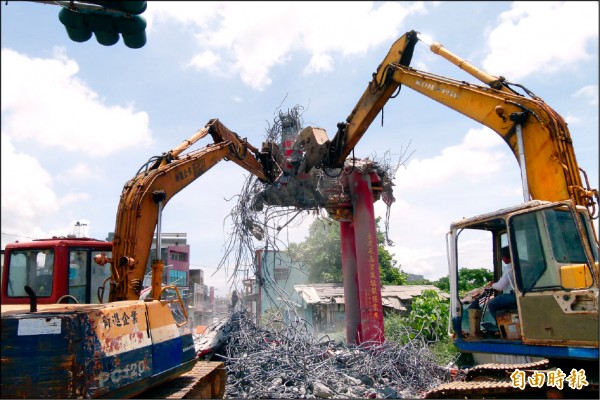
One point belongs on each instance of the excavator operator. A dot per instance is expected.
(506, 300)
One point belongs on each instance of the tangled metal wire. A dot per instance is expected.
(283, 359)
(265, 212)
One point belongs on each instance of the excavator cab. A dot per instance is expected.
(555, 273)
(57, 270)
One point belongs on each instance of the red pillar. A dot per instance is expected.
(370, 327)
(350, 278)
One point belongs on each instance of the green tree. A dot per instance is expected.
(443, 284)
(389, 270)
(429, 315)
(428, 320)
(468, 279)
(473, 278)
(321, 252)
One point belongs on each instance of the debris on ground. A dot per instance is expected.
(285, 360)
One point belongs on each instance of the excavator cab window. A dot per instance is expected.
(99, 275)
(475, 269)
(78, 274)
(85, 276)
(549, 251)
(33, 268)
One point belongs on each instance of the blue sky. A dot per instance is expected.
(79, 119)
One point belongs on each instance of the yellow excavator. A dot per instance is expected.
(120, 348)
(126, 346)
(551, 237)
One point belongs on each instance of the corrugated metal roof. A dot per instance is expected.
(393, 302)
(392, 296)
(320, 292)
(407, 292)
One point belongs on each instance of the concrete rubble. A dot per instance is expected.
(283, 359)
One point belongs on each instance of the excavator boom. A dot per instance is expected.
(536, 134)
(552, 172)
(125, 346)
(137, 214)
(551, 237)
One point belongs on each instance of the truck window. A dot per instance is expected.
(33, 268)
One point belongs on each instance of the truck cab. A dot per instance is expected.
(57, 269)
(555, 270)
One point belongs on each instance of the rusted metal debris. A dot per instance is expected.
(284, 359)
(265, 211)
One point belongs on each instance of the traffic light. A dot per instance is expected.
(106, 20)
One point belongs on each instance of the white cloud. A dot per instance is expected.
(589, 93)
(545, 36)
(27, 194)
(250, 38)
(572, 119)
(185, 13)
(318, 63)
(44, 100)
(421, 260)
(71, 198)
(79, 172)
(433, 192)
(474, 159)
(206, 60)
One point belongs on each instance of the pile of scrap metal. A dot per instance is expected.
(282, 358)
(215, 336)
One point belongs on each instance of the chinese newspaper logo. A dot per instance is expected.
(575, 380)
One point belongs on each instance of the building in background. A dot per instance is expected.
(323, 304)
(414, 277)
(202, 309)
(273, 286)
(281, 286)
(175, 253)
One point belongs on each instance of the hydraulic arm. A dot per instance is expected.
(153, 186)
(537, 135)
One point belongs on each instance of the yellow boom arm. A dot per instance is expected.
(550, 170)
(137, 215)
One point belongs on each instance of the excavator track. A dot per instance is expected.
(489, 381)
(505, 390)
(502, 370)
(475, 389)
(205, 381)
(492, 381)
